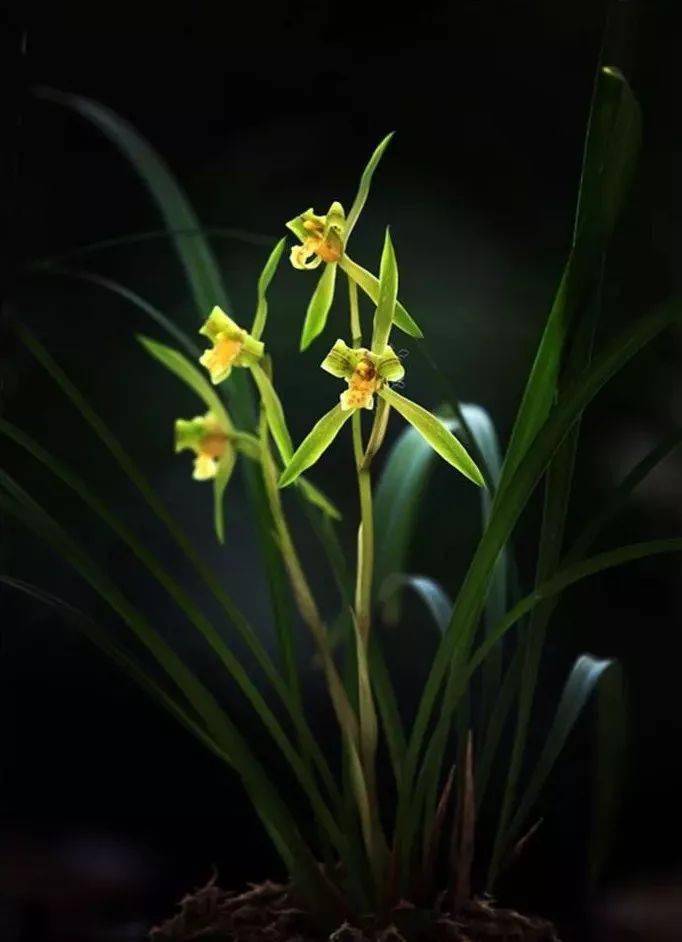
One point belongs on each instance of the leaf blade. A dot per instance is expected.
(435, 433)
(319, 306)
(315, 443)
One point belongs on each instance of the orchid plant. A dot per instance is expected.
(372, 841)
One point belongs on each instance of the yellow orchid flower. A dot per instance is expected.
(232, 346)
(321, 237)
(364, 371)
(206, 437)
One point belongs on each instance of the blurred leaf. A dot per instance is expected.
(185, 604)
(402, 482)
(220, 482)
(611, 148)
(365, 182)
(388, 295)
(268, 804)
(194, 251)
(584, 677)
(507, 508)
(179, 365)
(99, 638)
(203, 276)
(319, 305)
(274, 413)
(133, 238)
(370, 285)
(464, 829)
(610, 153)
(610, 762)
(315, 497)
(431, 593)
(264, 280)
(179, 335)
(435, 433)
(315, 443)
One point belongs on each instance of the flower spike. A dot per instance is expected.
(232, 346)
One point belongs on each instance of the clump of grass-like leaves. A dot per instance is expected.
(358, 858)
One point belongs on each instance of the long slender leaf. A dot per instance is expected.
(195, 254)
(187, 372)
(264, 280)
(610, 151)
(194, 615)
(370, 285)
(509, 503)
(434, 597)
(97, 636)
(388, 295)
(149, 235)
(274, 414)
(133, 297)
(435, 433)
(584, 677)
(203, 277)
(609, 777)
(319, 306)
(315, 443)
(365, 183)
(180, 538)
(272, 810)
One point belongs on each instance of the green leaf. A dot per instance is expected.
(137, 300)
(388, 295)
(133, 238)
(315, 443)
(220, 482)
(610, 761)
(194, 251)
(586, 674)
(97, 636)
(181, 599)
(157, 506)
(203, 276)
(274, 413)
(178, 364)
(365, 182)
(432, 594)
(611, 145)
(610, 153)
(435, 433)
(402, 482)
(264, 280)
(508, 506)
(370, 285)
(267, 801)
(319, 305)
(315, 497)
(479, 430)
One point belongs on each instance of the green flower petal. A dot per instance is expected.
(342, 360)
(435, 433)
(318, 308)
(315, 444)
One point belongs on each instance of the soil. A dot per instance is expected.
(268, 913)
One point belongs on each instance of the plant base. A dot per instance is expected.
(269, 913)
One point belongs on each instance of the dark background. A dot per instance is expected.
(109, 812)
